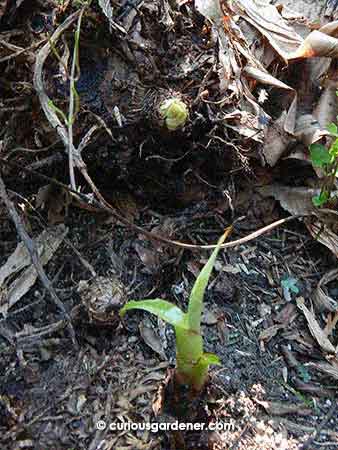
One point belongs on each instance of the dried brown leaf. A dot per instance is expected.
(287, 314)
(315, 45)
(308, 130)
(294, 200)
(323, 301)
(151, 338)
(149, 257)
(47, 243)
(267, 19)
(276, 141)
(322, 233)
(327, 108)
(314, 327)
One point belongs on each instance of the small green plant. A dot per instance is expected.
(327, 160)
(192, 363)
(174, 112)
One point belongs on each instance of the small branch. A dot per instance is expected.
(31, 248)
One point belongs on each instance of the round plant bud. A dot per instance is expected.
(174, 112)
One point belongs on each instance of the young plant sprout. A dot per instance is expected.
(174, 112)
(192, 363)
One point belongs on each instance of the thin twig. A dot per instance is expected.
(50, 113)
(33, 253)
(152, 236)
(72, 99)
(21, 51)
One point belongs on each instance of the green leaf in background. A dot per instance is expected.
(289, 286)
(333, 129)
(319, 155)
(321, 199)
(304, 373)
(334, 149)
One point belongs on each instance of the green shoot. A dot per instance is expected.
(192, 363)
(327, 160)
(174, 112)
(58, 111)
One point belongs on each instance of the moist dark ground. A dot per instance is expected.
(52, 395)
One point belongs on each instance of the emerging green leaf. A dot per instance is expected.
(197, 294)
(192, 363)
(174, 112)
(160, 308)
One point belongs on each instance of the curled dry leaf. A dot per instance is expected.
(299, 201)
(211, 9)
(276, 141)
(315, 328)
(294, 200)
(323, 301)
(327, 108)
(308, 130)
(267, 19)
(19, 267)
(151, 338)
(264, 77)
(317, 44)
(322, 233)
(149, 256)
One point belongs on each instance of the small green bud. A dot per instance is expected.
(174, 112)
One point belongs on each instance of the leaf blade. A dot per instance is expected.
(160, 308)
(197, 294)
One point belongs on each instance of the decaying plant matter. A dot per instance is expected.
(147, 127)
